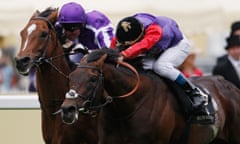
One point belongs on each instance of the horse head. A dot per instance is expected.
(37, 39)
(88, 85)
(83, 90)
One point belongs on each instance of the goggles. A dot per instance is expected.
(72, 27)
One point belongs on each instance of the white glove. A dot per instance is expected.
(80, 48)
(68, 44)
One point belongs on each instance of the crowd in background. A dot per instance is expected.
(9, 78)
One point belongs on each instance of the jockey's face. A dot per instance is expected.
(72, 30)
(72, 35)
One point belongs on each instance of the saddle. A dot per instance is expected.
(190, 113)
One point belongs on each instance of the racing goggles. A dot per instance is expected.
(72, 27)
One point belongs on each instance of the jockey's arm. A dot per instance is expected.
(113, 42)
(153, 34)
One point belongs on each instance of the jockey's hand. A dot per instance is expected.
(120, 58)
(68, 44)
(79, 48)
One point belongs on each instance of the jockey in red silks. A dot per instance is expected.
(163, 48)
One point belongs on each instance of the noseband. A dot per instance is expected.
(87, 106)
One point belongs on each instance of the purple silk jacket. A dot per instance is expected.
(171, 32)
(97, 33)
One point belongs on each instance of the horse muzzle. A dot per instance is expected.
(69, 114)
(23, 65)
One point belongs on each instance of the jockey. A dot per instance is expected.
(79, 30)
(163, 48)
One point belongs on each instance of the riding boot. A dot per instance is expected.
(198, 98)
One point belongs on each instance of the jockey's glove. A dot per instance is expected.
(120, 58)
(79, 48)
(68, 44)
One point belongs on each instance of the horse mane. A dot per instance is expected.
(47, 12)
(112, 55)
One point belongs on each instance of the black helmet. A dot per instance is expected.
(129, 31)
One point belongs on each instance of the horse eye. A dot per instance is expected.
(43, 34)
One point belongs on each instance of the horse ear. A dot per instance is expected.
(102, 60)
(36, 13)
(53, 16)
(83, 59)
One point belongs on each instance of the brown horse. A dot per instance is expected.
(142, 109)
(40, 49)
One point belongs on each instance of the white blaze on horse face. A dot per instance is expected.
(30, 29)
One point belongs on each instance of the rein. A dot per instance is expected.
(126, 65)
(138, 79)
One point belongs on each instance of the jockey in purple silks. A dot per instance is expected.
(163, 47)
(80, 30)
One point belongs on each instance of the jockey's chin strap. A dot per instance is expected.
(137, 75)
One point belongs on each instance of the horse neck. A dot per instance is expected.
(117, 81)
(52, 81)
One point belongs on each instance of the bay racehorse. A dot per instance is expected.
(41, 50)
(140, 108)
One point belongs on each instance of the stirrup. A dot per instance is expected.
(199, 98)
(203, 96)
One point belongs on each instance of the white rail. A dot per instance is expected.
(19, 101)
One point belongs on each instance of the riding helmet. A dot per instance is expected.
(129, 31)
(72, 13)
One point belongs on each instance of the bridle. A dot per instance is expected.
(87, 107)
(42, 59)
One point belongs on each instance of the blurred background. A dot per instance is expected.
(206, 23)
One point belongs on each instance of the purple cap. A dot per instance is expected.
(72, 13)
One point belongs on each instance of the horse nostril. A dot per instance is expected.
(22, 61)
(69, 109)
(26, 60)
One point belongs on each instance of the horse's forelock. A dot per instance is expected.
(112, 55)
(47, 12)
